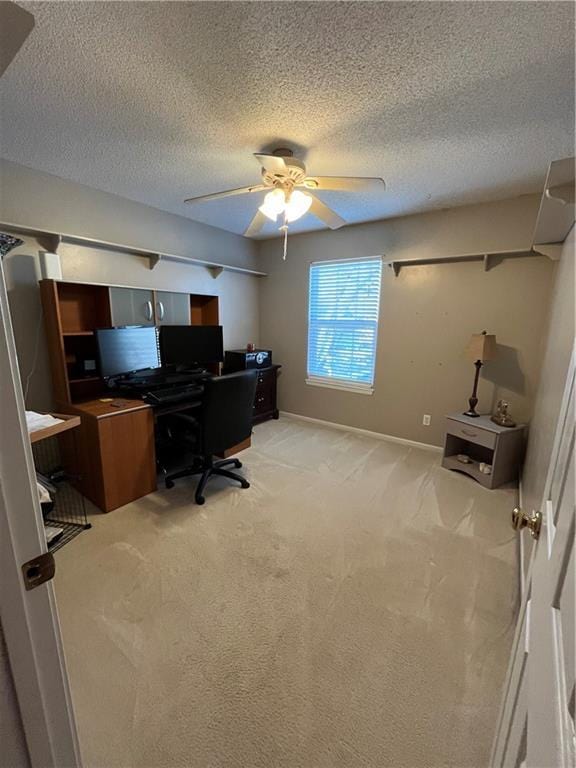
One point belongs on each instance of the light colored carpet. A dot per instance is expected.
(353, 609)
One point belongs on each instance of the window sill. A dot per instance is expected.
(358, 389)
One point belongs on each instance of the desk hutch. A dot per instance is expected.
(117, 457)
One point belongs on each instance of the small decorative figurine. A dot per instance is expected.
(502, 417)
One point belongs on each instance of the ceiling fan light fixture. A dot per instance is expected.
(274, 204)
(297, 205)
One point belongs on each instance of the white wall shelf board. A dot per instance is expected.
(51, 240)
(489, 260)
(556, 215)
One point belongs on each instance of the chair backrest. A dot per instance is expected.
(227, 411)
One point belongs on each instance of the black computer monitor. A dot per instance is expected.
(126, 350)
(191, 345)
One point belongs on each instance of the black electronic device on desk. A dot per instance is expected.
(241, 359)
(130, 362)
(173, 395)
(128, 352)
(191, 346)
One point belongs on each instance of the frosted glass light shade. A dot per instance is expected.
(274, 203)
(297, 205)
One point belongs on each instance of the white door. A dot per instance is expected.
(28, 616)
(536, 727)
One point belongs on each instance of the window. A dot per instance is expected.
(343, 323)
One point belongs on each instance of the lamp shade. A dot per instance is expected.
(482, 346)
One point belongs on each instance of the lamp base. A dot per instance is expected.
(473, 401)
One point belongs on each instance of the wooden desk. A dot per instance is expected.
(68, 422)
(117, 452)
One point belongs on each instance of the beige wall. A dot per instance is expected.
(559, 342)
(39, 200)
(427, 315)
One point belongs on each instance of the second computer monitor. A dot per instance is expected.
(191, 345)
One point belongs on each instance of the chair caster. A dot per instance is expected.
(169, 483)
(237, 463)
(245, 484)
(199, 499)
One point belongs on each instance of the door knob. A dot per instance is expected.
(521, 520)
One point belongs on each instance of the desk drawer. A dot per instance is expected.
(473, 434)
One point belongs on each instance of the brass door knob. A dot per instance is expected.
(521, 520)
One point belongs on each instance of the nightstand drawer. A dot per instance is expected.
(473, 434)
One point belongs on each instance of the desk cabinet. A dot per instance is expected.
(136, 306)
(117, 454)
(131, 306)
(265, 400)
(172, 308)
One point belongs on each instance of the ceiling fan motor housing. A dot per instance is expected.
(293, 173)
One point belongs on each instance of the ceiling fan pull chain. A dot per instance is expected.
(284, 228)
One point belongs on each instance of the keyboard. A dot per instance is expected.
(172, 395)
(146, 383)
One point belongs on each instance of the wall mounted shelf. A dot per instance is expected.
(557, 213)
(50, 241)
(489, 260)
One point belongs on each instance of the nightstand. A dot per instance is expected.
(484, 441)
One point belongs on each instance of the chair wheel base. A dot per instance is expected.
(169, 484)
(199, 499)
(245, 484)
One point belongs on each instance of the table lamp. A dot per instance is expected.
(481, 347)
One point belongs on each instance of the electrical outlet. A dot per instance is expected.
(426, 420)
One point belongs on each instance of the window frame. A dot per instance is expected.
(345, 385)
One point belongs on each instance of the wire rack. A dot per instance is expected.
(68, 512)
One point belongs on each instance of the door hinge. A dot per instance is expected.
(38, 570)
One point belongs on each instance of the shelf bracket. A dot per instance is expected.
(49, 242)
(486, 262)
(563, 193)
(396, 266)
(154, 259)
(552, 250)
(215, 271)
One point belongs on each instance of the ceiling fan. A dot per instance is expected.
(284, 176)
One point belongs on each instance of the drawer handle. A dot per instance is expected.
(470, 434)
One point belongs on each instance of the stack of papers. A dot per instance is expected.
(36, 421)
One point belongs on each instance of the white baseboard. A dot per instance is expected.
(365, 432)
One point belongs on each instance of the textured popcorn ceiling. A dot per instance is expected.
(450, 103)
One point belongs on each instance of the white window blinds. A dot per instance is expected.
(343, 308)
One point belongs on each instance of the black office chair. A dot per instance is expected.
(225, 420)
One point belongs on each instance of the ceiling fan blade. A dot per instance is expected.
(15, 24)
(228, 193)
(344, 184)
(325, 214)
(256, 224)
(271, 163)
